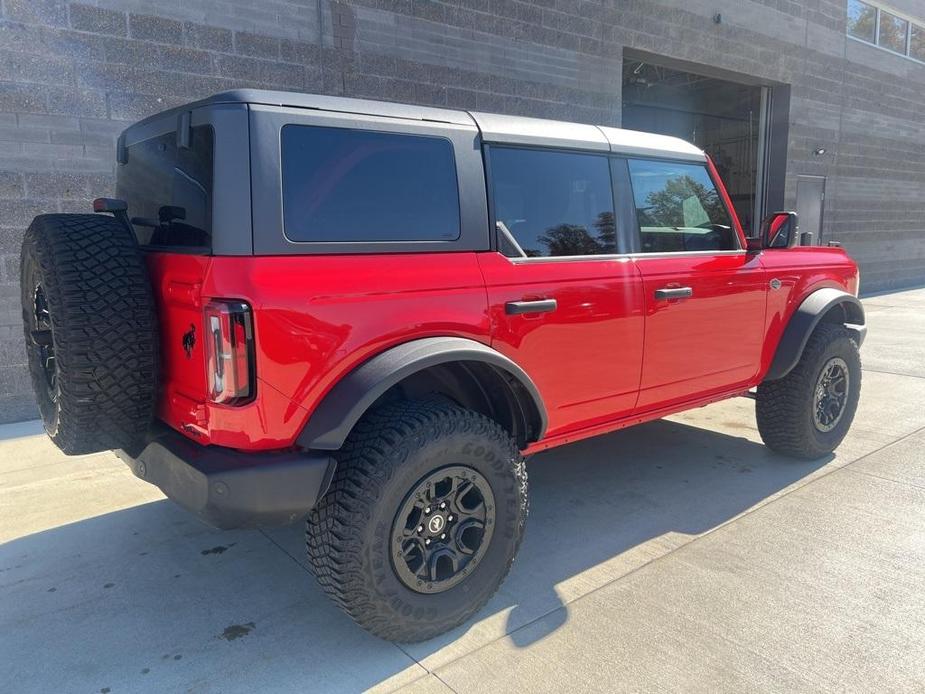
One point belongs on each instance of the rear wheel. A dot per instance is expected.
(422, 521)
(90, 329)
(807, 413)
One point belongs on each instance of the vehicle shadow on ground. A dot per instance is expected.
(148, 598)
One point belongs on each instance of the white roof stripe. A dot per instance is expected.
(520, 130)
(635, 142)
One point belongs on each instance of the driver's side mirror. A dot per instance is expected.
(778, 230)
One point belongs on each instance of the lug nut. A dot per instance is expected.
(443, 536)
(420, 528)
(443, 505)
(427, 541)
(449, 518)
(427, 510)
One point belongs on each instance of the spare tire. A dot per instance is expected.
(91, 331)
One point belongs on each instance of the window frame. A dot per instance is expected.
(921, 27)
(231, 194)
(435, 138)
(629, 235)
(623, 234)
(173, 134)
(720, 190)
(269, 238)
(905, 51)
(876, 31)
(911, 22)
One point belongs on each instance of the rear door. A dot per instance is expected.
(705, 296)
(564, 304)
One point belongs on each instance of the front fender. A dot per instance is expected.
(805, 319)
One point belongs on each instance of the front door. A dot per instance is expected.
(563, 305)
(705, 297)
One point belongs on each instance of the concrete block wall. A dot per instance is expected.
(73, 74)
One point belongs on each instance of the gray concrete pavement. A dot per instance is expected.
(678, 555)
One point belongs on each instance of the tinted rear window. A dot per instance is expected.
(158, 175)
(360, 185)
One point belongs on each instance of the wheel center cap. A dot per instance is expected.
(436, 524)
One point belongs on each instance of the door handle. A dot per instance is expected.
(513, 308)
(668, 293)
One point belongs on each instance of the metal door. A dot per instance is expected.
(810, 202)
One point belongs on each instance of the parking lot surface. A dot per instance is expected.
(677, 555)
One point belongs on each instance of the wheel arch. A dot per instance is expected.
(826, 305)
(466, 371)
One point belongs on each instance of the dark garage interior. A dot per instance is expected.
(723, 118)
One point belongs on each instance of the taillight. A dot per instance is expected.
(229, 349)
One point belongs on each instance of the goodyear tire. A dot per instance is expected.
(90, 329)
(807, 413)
(422, 520)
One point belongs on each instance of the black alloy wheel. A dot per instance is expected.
(831, 394)
(442, 529)
(42, 342)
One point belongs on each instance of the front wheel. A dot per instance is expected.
(808, 412)
(422, 521)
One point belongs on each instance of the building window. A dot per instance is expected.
(893, 32)
(862, 21)
(917, 43)
(886, 29)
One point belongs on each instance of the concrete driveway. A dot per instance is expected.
(679, 555)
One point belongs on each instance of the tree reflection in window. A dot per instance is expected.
(679, 208)
(574, 239)
(670, 206)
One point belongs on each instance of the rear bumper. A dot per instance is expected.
(230, 489)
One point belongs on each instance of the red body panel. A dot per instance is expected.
(315, 318)
(609, 356)
(801, 271)
(709, 342)
(585, 357)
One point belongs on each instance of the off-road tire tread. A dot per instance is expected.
(104, 327)
(780, 404)
(377, 446)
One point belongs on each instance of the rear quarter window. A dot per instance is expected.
(159, 175)
(345, 185)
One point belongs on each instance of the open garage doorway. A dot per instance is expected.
(726, 119)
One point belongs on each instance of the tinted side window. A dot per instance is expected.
(159, 175)
(360, 185)
(552, 203)
(679, 208)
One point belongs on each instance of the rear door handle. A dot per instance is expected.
(513, 308)
(667, 293)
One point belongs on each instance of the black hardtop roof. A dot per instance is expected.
(493, 127)
(317, 101)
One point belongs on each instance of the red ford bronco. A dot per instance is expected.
(370, 313)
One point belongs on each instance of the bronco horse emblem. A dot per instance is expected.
(189, 341)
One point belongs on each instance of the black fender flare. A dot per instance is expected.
(334, 417)
(805, 319)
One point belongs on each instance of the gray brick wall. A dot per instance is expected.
(73, 74)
